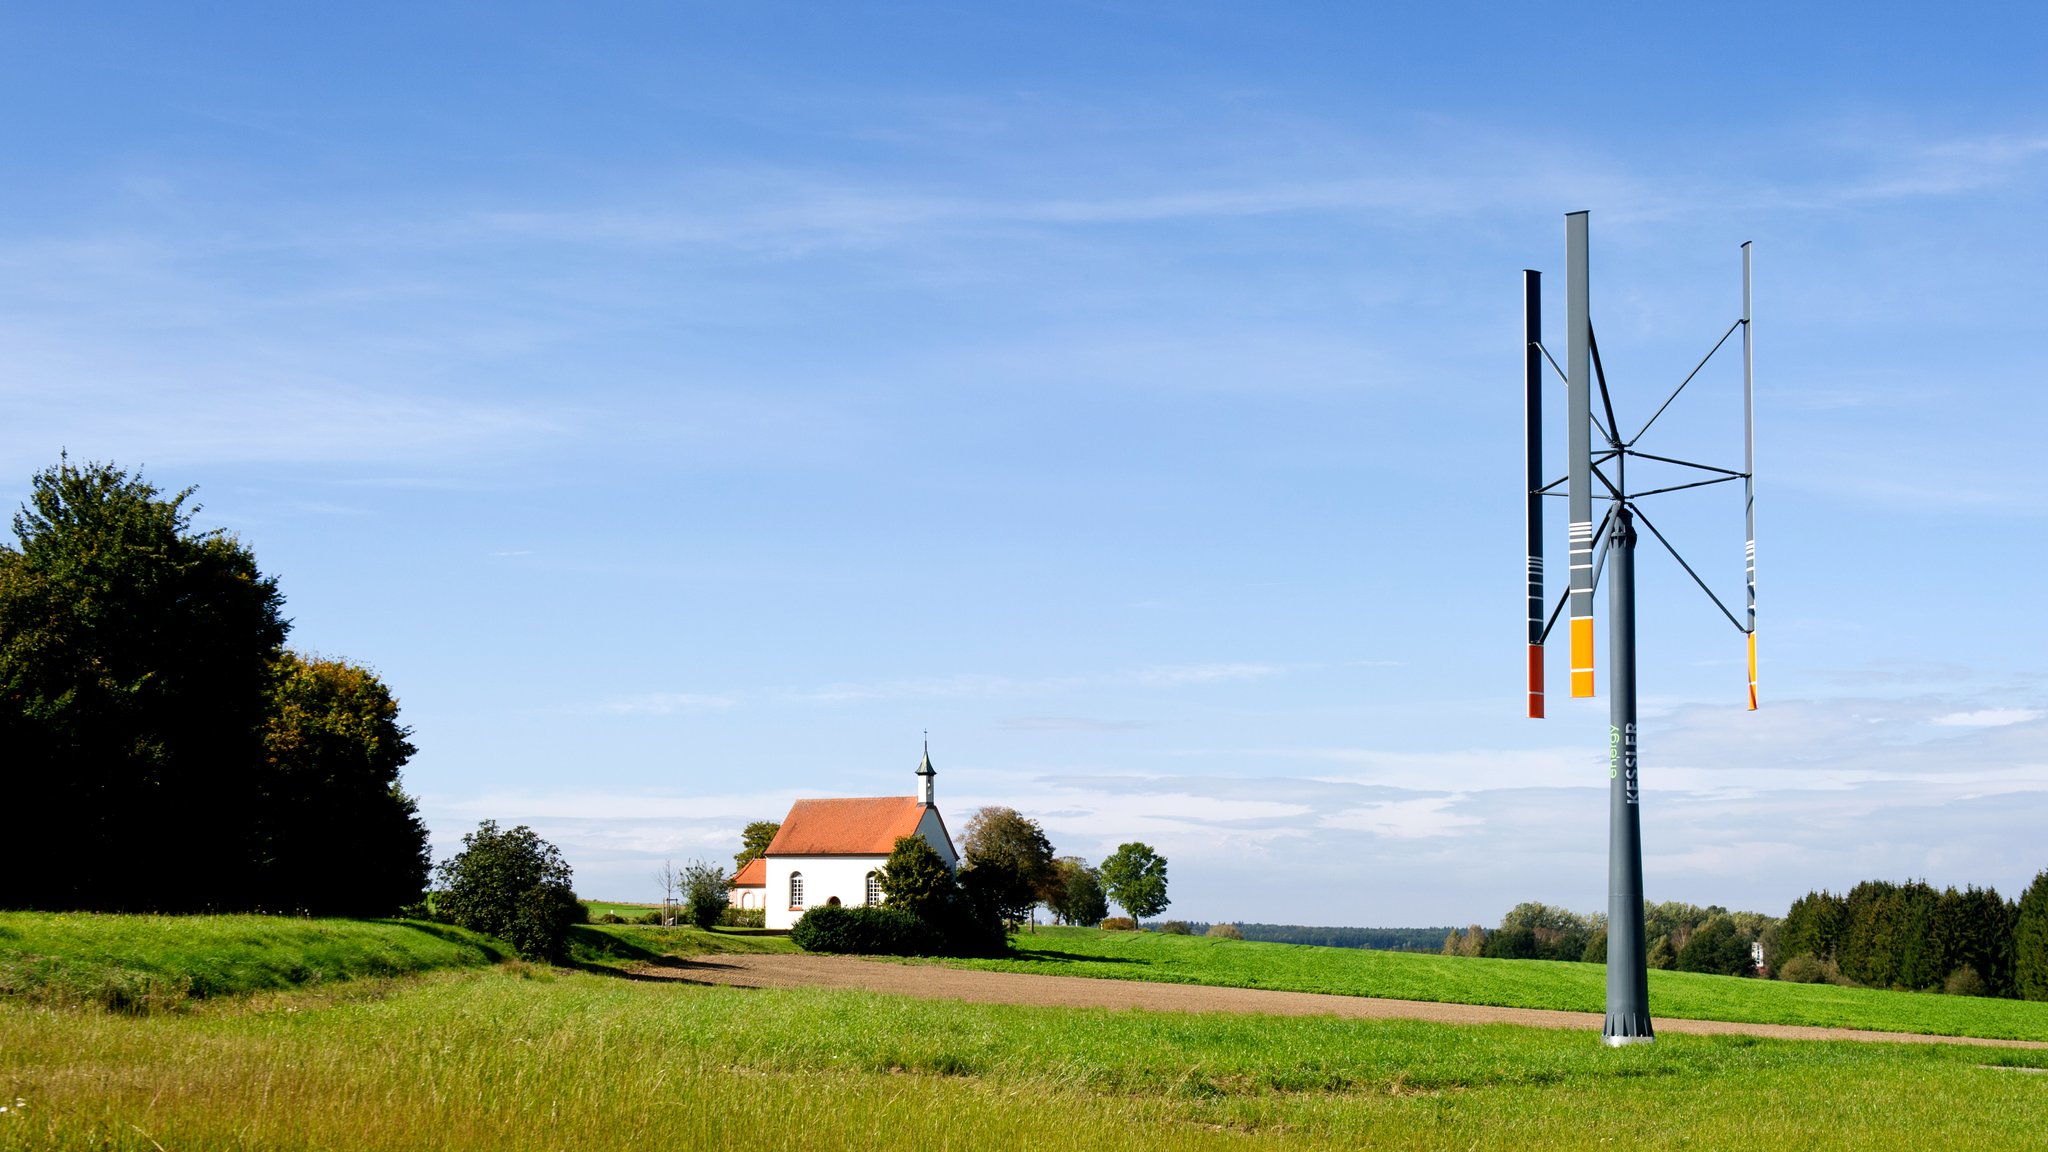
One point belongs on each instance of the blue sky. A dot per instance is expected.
(685, 406)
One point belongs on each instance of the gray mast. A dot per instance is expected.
(1628, 979)
(1628, 1001)
(1532, 420)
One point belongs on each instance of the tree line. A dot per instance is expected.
(1676, 936)
(1885, 935)
(165, 750)
(1877, 935)
(1375, 939)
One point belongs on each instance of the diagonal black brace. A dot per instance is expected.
(1613, 428)
(1605, 431)
(1683, 487)
(1688, 379)
(1729, 472)
(1688, 569)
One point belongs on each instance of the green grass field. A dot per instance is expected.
(521, 1058)
(623, 911)
(1509, 983)
(147, 963)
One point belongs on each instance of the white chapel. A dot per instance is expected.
(832, 851)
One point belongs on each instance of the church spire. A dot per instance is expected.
(925, 773)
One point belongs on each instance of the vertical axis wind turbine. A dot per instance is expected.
(1605, 465)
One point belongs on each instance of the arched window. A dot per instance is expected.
(796, 889)
(874, 887)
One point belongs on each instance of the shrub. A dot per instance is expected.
(864, 931)
(512, 885)
(1964, 981)
(1225, 932)
(1806, 969)
(705, 892)
(611, 918)
(1174, 928)
(653, 916)
(1119, 924)
(743, 917)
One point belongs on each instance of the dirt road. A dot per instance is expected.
(936, 983)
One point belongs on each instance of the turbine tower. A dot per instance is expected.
(1596, 471)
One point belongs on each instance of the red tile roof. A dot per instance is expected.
(753, 875)
(866, 826)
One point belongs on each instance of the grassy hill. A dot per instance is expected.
(145, 963)
(1509, 983)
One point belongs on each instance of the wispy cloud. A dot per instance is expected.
(1987, 718)
(666, 703)
(1176, 674)
(990, 686)
(1066, 724)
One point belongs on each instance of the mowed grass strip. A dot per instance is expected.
(519, 1058)
(1506, 983)
(150, 963)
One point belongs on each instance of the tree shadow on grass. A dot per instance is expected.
(595, 950)
(492, 950)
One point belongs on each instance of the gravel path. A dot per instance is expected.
(936, 983)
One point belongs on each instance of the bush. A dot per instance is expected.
(653, 916)
(1118, 924)
(743, 917)
(706, 890)
(1174, 928)
(1225, 932)
(864, 931)
(1964, 981)
(512, 885)
(1805, 970)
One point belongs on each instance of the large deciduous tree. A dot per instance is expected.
(1008, 859)
(136, 659)
(337, 833)
(754, 840)
(1135, 877)
(163, 751)
(1077, 896)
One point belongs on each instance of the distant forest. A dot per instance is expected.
(1378, 939)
